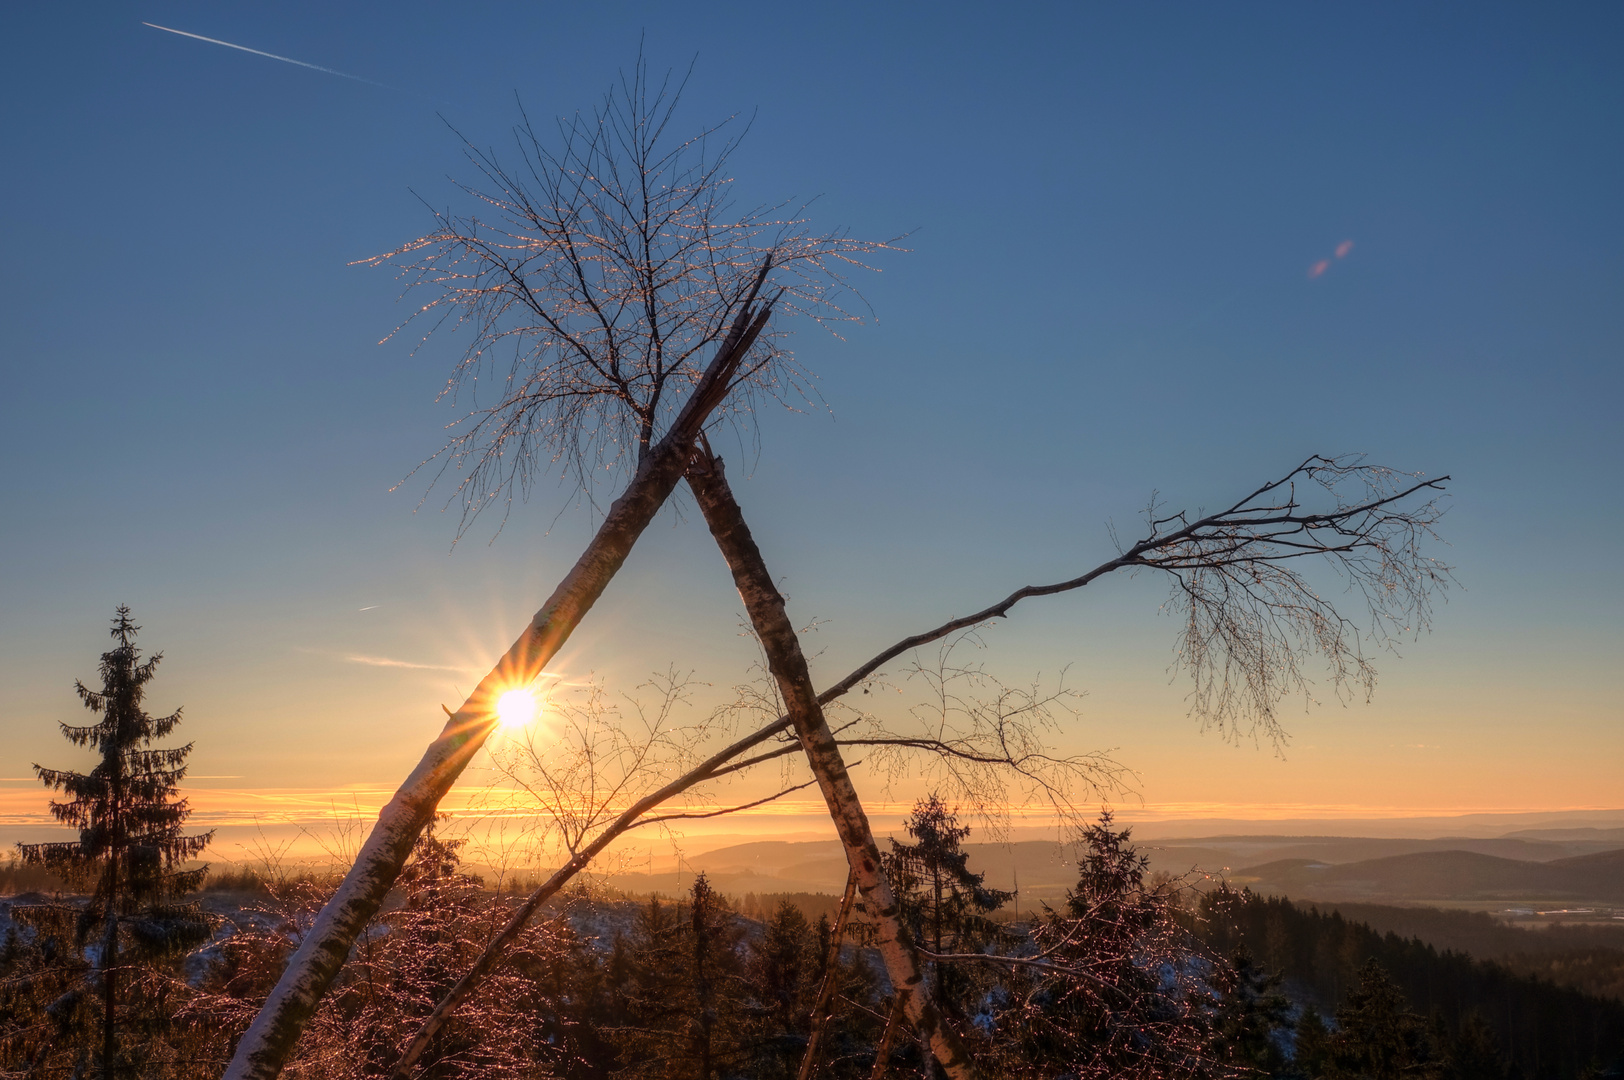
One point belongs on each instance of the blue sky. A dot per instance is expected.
(1112, 216)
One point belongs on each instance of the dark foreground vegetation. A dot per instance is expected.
(1131, 977)
(1580, 956)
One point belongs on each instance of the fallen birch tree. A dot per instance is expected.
(765, 606)
(323, 950)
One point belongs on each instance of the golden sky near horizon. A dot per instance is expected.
(334, 724)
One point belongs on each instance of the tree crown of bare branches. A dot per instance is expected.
(1251, 612)
(1252, 616)
(608, 262)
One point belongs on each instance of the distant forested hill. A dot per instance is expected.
(1444, 875)
(1548, 1031)
(1585, 957)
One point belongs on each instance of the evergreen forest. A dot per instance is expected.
(1133, 976)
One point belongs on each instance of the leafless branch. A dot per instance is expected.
(690, 815)
(979, 741)
(598, 269)
(1252, 614)
(591, 755)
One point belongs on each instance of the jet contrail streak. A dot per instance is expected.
(273, 56)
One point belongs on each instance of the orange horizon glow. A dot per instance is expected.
(25, 807)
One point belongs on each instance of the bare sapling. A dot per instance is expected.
(597, 753)
(1251, 624)
(823, 1006)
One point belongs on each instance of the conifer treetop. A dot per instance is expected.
(128, 808)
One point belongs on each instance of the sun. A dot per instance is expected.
(516, 708)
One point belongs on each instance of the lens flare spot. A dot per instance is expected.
(516, 708)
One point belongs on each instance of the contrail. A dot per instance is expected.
(273, 56)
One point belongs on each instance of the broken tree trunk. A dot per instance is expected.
(270, 1039)
(765, 606)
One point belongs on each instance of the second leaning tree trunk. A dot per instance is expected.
(765, 606)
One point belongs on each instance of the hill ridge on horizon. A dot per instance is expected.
(1355, 868)
(1446, 875)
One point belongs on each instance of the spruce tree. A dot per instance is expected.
(1121, 996)
(1251, 1013)
(1377, 1037)
(1311, 1047)
(710, 935)
(1471, 1051)
(110, 1015)
(684, 1006)
(945, 904)
(783, 980)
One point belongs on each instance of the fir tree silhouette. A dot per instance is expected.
(944, 903)
(130, 853)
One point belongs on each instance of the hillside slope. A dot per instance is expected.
(1443, 875)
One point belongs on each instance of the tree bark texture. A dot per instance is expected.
(765, 606)
(265, 1047)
